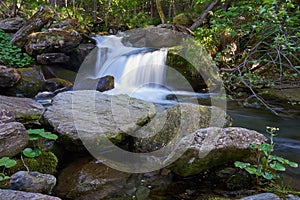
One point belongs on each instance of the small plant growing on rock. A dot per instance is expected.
(6, 163)
(35, 135)
(267, 166)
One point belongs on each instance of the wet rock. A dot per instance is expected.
(25, 110)
(90, 115)
(13, 138)
(212, 146)
(19, 195)
(53, 41)
(42, 17)
(8, 76)
(262, 196)
(32, 182)
(88, 179)
(78, 55)
(57, 85)
(52, 58)
(12, 24)
(106, 83)
(151, 36)
(170, 126)
(292, 197)
(31, 83)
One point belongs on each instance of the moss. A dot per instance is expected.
(45, 163)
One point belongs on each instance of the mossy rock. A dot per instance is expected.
(46, 163)
(31, 83)
(183, 19)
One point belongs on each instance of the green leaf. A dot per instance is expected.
(267, 175)
(292, 164)
(277, 166)
(253, 170)
(31, 153)
(49, 135)
(37, 133)
(7, 162)
(241, 165)
(3, 177)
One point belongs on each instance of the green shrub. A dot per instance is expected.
(10, 55)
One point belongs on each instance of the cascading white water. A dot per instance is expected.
(137, 71)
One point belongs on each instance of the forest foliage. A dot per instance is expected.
(255, 43)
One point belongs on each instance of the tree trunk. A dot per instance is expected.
(204, 15)
(160, 12)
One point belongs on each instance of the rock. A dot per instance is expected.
(32, 182)
(56, 85)
(62, 24)
(153, 37)
(18, 195)
(262, 196)
(45, 163)
(78, 55)
(95, 115)
(31, 83)
(25, 110)
(175, 123)
(53, 41)
(52, 58)
(8, 76)
(13, 139)
(88, 179)
(12, 25)
(42, 17)
(106, 83)
(183, 19)
(212, 146)
(292, 197)
(6, 116)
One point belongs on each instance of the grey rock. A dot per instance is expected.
(30, 84)
(212, 146)
(32, 182)
(6, 116)
(173, 124)
(89, 115)
(52, 58)
(19, 195)
(54, 40)
(25, 110)
(151, 36)
(12, 24)
(13, 138)
(292, 197)
(262, 196)
(8, 76)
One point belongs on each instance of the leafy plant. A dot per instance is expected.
(36, 135)
(10, 55)
(267, 167)
(6, 163)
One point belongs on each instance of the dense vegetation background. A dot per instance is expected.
(255, 43)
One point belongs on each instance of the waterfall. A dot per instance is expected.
(131, 67)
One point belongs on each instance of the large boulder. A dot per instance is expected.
(91, 115)
(25, 110)
(31, 83)
(173, 124)
(8, 76)
(42, 17)
(53, 40)
(89, 179)
(32, 182)
(13, 194)
(13, 138)
(52, 58)
(153, 37)
(12, 24)
(213, 146)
